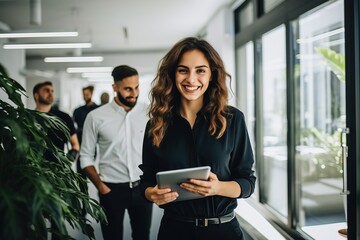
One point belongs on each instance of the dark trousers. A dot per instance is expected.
(120, 198)
(176, 230)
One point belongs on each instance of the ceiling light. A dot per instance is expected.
(73, 59)
(96, 75)
(47, 45)
(37, 34)
(88, 69)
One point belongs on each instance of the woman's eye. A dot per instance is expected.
(182, 70)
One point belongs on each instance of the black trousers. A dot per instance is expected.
(120, 198)
(176, 230)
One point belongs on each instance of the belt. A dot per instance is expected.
(203, 222)
(130, 184)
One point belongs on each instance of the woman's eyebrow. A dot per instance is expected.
(201, 66)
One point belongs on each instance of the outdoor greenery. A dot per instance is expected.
(36, 191)
(329, 162)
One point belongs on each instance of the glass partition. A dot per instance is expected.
(320, 76)
(274, 122)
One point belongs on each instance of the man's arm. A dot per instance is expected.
(74, 142)
(93, 175)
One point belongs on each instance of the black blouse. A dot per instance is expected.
(229, 157)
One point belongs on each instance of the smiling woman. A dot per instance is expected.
(191, 125)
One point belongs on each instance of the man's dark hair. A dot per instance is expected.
(123, 71)
(90, 88)
(40, 85)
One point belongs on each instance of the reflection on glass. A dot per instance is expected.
(274, 119)
(245, 87)
(245, 91)
(321, 114)
(246, 15)
(271, 4)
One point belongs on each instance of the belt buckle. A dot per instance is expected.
(201, 222)
(133, 184)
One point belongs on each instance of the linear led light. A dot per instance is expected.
(88, 69)
(73, 59)
(100, 80)
(38, 34)
(47, 45)
(96, 75)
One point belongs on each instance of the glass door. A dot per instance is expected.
(321, 114)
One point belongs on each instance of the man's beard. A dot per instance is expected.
(45, 101)
(125, 102)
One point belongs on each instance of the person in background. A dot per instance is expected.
(43, 94)
(192, 125)
(79, 116)
(118, 128)
(104, 98)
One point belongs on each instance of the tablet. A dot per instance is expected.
(172, 179)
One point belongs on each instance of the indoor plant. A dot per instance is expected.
(33, 189)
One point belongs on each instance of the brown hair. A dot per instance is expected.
(90, 88)
(38, 86)
(165, 96)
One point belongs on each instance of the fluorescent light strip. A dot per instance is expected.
(47, 45)
(73, 59)
(96, 75)
(89, 69)
(38, 34)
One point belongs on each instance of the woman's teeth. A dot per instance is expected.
(191, 88)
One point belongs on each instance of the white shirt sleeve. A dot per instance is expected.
(88, 144)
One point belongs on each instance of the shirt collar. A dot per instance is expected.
(118, 108)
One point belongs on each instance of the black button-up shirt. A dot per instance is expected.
(229, 157)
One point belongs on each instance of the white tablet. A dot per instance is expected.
(172, 179)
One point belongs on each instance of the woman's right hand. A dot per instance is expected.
(160, 196)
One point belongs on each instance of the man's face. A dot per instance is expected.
(127, 90)
(45, 95)
(87, 95)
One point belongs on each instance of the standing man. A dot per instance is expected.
(79, 116)
(118, 127)
(43, 94)
(44, 97)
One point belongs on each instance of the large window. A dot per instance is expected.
(292, 56)
(274, 122)
(320, 74)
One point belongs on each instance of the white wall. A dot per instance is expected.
(14, 62)
(220, 34)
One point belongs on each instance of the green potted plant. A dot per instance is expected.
(35, 191)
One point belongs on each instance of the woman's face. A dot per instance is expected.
(192, 75)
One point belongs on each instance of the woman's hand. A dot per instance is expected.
(212, 187)
(160, 196)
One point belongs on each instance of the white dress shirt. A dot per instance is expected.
(120, 137)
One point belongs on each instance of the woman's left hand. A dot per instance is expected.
(208, 187)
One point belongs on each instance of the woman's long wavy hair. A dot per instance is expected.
(165, 96)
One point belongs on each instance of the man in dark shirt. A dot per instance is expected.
(79, 116)
(44, 97)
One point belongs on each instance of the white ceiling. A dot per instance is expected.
(150, 24)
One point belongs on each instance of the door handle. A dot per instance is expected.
(344, 155)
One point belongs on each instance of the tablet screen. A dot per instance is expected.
(172, 179)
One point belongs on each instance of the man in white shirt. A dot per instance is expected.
(118, 127)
